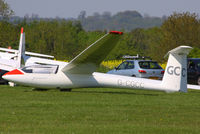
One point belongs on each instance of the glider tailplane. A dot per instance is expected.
(21, 51)
(175, 76)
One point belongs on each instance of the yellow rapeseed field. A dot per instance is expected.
(108, 64)
(114, 63)
(111, 63)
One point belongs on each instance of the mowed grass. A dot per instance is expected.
(98, 111)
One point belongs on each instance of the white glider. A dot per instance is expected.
(80, 72)
(11, 59)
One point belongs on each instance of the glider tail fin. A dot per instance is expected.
(175, 76)
(21, 52)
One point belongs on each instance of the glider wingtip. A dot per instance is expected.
(22, 29)
(116, 32)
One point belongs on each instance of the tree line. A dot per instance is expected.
(66, 38)
(126, 20)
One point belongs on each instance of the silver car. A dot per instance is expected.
(139, 68)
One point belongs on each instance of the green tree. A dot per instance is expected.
(9, 35)
(180, 29)
(153, 40)
(5, 11)
(195, 53)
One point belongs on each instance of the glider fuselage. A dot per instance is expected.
(62, 80)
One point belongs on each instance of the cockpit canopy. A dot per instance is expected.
(43, 69)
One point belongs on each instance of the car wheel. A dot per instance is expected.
(133, 76)
(198, 81)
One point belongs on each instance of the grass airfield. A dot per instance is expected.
(24, 110)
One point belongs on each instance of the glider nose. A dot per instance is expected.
(9, 75)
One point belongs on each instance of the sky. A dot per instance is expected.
(72, 8)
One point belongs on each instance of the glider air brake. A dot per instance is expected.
(11, 59)
(80, 72)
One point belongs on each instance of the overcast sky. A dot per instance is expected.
(72, 8)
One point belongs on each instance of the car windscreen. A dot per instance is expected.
(149, 65)
(126, 65)
(193, 63)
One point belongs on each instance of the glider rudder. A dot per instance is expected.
(175, 76)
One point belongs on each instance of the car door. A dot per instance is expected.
(120, 69)
(126, 68)
(130, 69)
